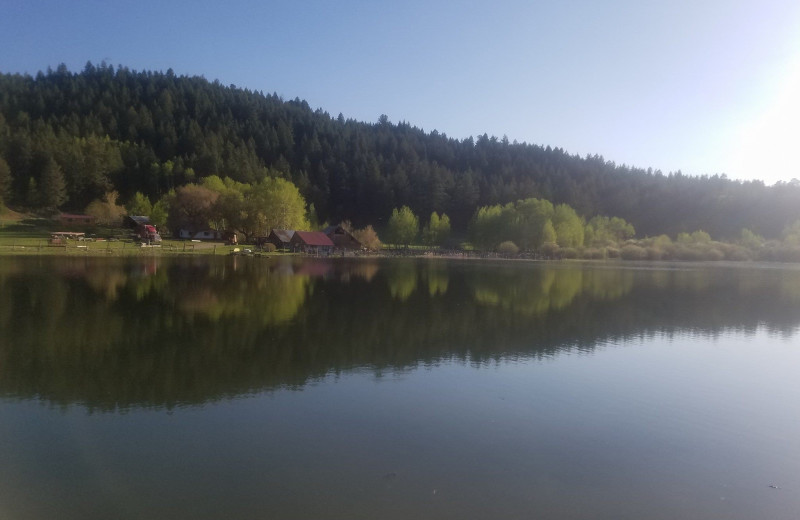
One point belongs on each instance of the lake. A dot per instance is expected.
(245, 388)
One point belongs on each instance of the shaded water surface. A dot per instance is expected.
(289, 388)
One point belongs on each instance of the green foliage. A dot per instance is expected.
(32, 196)
(254, 209)
(601, 231)
(160, 213)
(403, 226)
(139, 204)
(750, 240)
(568, 226)
(527, 222)
(633, 252)
(507, 248)
(535, 221)
(150, 132)
(437, 230)
(548, 233)
(5, 180)
(791, 234)
(696, 237)
(53, 186)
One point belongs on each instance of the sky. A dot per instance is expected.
(703, 86)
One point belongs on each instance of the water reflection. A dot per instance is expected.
(115, 333)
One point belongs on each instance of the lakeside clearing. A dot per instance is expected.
(20, 235)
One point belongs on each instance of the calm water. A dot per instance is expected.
(248, 388)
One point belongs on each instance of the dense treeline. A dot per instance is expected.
(67, 139)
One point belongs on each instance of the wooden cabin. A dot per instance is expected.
(280, 238)
(342, 239)
(311, 242)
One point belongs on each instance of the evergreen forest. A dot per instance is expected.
(68, 139)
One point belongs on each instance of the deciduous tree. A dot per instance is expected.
(437, 230)
(403, 226)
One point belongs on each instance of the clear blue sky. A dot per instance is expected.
(701, 86)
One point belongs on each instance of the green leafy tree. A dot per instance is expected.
(568, 226)
(255, 209)
(403, 226)
(750, 240)
(534, 214)
(160, 214)
(791, 234)
(282, 204)
(437, 230)
(548, 233)
(485, 226)
(139, 204)
(602, 231)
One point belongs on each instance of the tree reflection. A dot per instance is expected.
(111, 333)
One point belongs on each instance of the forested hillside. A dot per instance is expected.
(67, 138)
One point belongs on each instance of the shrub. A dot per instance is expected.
(654, 253)
(632, 252)
(508, 248)
(550, 249)
(569, 252)
(593, 253)
(269, 247)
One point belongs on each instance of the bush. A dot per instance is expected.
(269, 247)
(569, 252)
(654, 253)
(508, 248)
(593, 253)
(550, 249)
(612, 252)
(632, 252)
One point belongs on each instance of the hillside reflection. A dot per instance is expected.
(116, 333)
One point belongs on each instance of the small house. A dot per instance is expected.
(341, 238)
(311, 242)
(280, 238)
(72, 220)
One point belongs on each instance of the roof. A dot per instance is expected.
(136, 220)
(284, 235)
(342, 238)
(313, 238)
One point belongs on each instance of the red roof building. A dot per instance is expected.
(311, 242)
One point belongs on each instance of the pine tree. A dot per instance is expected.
(53, 186)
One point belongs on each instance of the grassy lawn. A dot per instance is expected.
(29, 235)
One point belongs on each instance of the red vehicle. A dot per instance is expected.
(147, 233)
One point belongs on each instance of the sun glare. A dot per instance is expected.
(766, 147)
